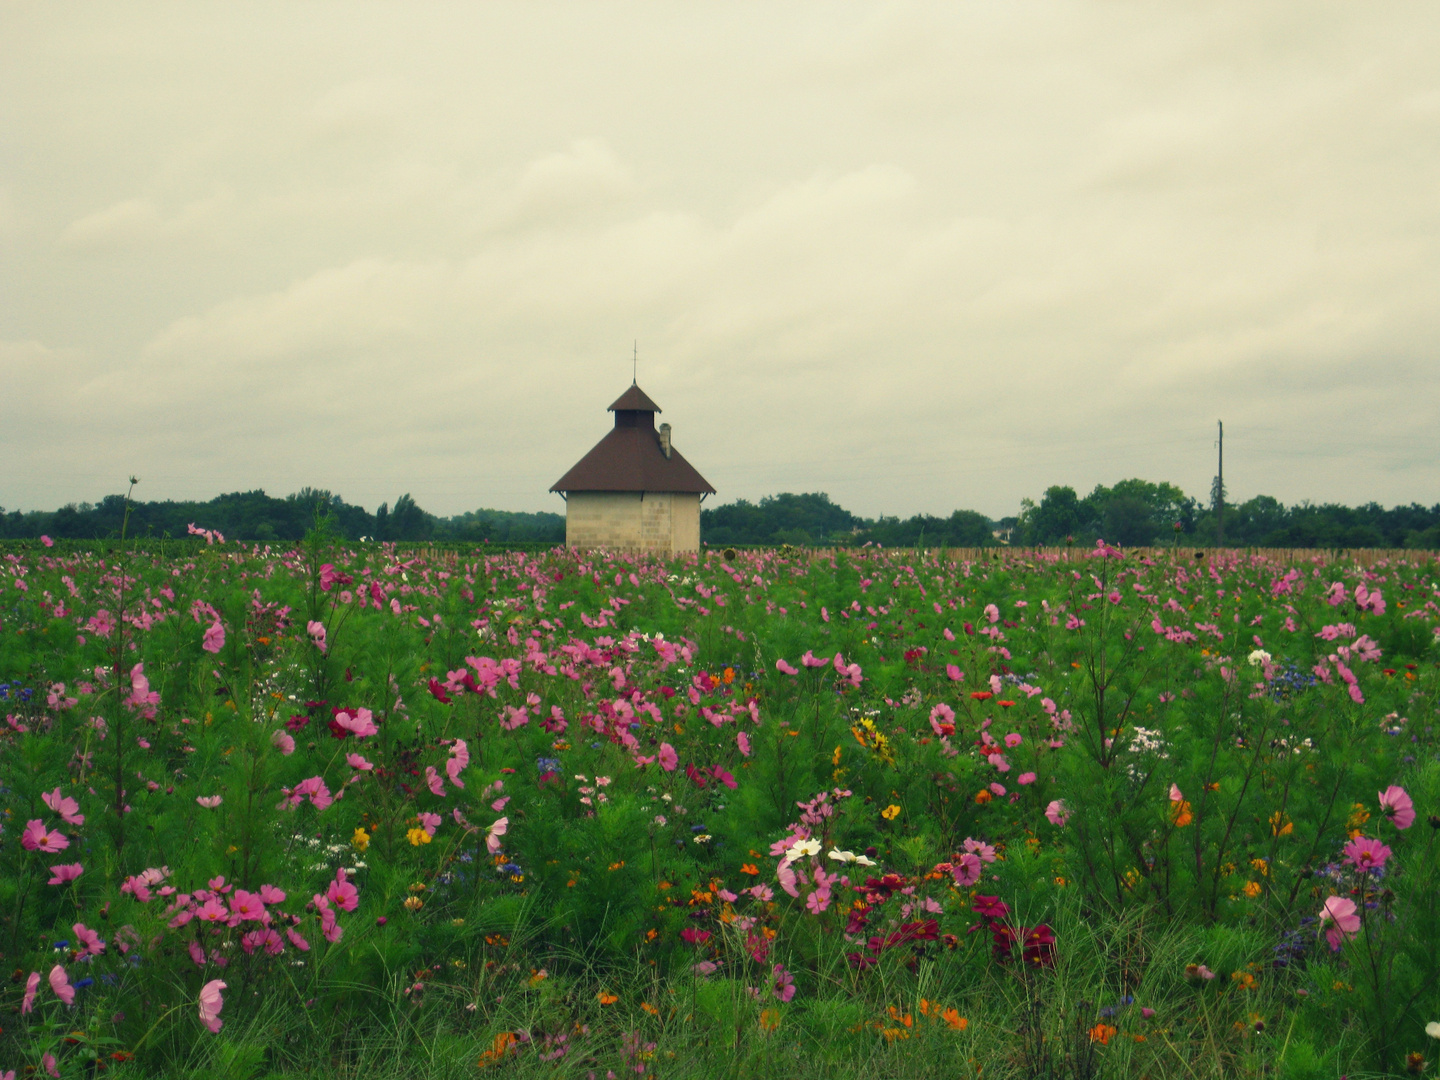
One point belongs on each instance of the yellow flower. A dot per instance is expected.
(891, 812)
(1252, 889)
(418, 836)
(361, 840)
(413, 903)
(1280, 825)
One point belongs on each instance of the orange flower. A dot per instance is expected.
(606, 998)
(954, 1020)
(505, 1043)
(729, 675)
(769, 1019)
(983, 796)
(749, 868)
(1180, 813)
(1102, 1033)
(651, 1009)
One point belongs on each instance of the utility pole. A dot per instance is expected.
(1220, 491)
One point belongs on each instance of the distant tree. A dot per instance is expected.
(408, 521)
(1058, 515)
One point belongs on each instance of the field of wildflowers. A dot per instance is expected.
(347, 810)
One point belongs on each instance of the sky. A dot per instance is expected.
(917, 256)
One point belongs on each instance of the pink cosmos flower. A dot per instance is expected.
(214, 638)
(952, 672)
(667, 757)
(788, 669)
(316, 630)
(1339, 912)
(342, 894)
(782, 983)
(1398, 807)
(60, 983)
(65, 873)
(89, 939)
(818, 901)
(429, 822)
(361, 724)
(197, 954)
(966, 870)
(742, 740)
(246, 905)
(942, 720)
(357, 762)
(32, 984)
(329, 927)
(980, 849)
(458, 761)
(69, 809)
(142, 699)
(37, 838)
(51, 1066)
(811, 660)
(315, 788)
(296, 940)
(1366, 853)
(1056, 813)
(1026, 778)
(209, 802)
(269, 894)
(210, 1005)
(1014, 739)
(493, 832)
(213, 910)
(283, 741)
(433, 781)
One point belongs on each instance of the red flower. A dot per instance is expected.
(981, 695)
(1038, 946)
(991, 907)
(438, 691)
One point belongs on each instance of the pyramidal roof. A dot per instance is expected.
(634, 400)
(630, 457)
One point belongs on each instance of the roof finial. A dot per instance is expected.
(635, 363)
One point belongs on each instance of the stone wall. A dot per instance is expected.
(627, 521)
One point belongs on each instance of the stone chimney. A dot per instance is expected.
(665, 439)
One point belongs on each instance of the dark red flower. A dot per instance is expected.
(991, 907)
(437, 690)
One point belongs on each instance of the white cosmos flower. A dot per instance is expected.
(1433, 1029)
(1258, 657)
(801, 848)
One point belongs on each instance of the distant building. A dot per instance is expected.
(633, 491)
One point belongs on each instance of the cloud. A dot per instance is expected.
(121, 224)
(920, 256)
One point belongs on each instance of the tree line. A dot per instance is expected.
(258, 517)
(1132, 513)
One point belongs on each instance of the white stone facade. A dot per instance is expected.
(662, 522)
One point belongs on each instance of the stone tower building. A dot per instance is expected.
(633, 491)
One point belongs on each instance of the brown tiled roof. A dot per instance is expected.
(629, 457)
(634, 398)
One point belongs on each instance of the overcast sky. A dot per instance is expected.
(917, 256)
